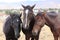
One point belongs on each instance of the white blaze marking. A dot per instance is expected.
(26, 16)
(26, 11)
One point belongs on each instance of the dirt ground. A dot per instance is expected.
(45, 33)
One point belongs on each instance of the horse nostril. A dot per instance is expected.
(17, 36)
(34, 33)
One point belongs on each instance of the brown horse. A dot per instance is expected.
(39, 23)
(51, 19)
(28, 22)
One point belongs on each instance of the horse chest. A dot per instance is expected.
(57, 26)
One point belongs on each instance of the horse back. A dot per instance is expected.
(52, 14)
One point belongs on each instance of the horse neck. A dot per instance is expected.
(48, 20)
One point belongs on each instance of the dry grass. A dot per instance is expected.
(45, 33)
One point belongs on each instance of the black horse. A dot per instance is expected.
(28, 21)
(12, 27)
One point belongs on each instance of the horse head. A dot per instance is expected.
(15, 24)
(27, 15)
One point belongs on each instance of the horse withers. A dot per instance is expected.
(12, 27)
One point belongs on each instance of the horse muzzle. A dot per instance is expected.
(17, 36)
(34, 33)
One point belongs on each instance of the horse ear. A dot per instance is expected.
(23, 6)
(33, 6)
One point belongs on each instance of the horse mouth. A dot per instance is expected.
(17, 36)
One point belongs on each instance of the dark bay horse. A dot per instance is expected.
(28, 22)
(50, 19)
(39, 23)
(12, 27)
